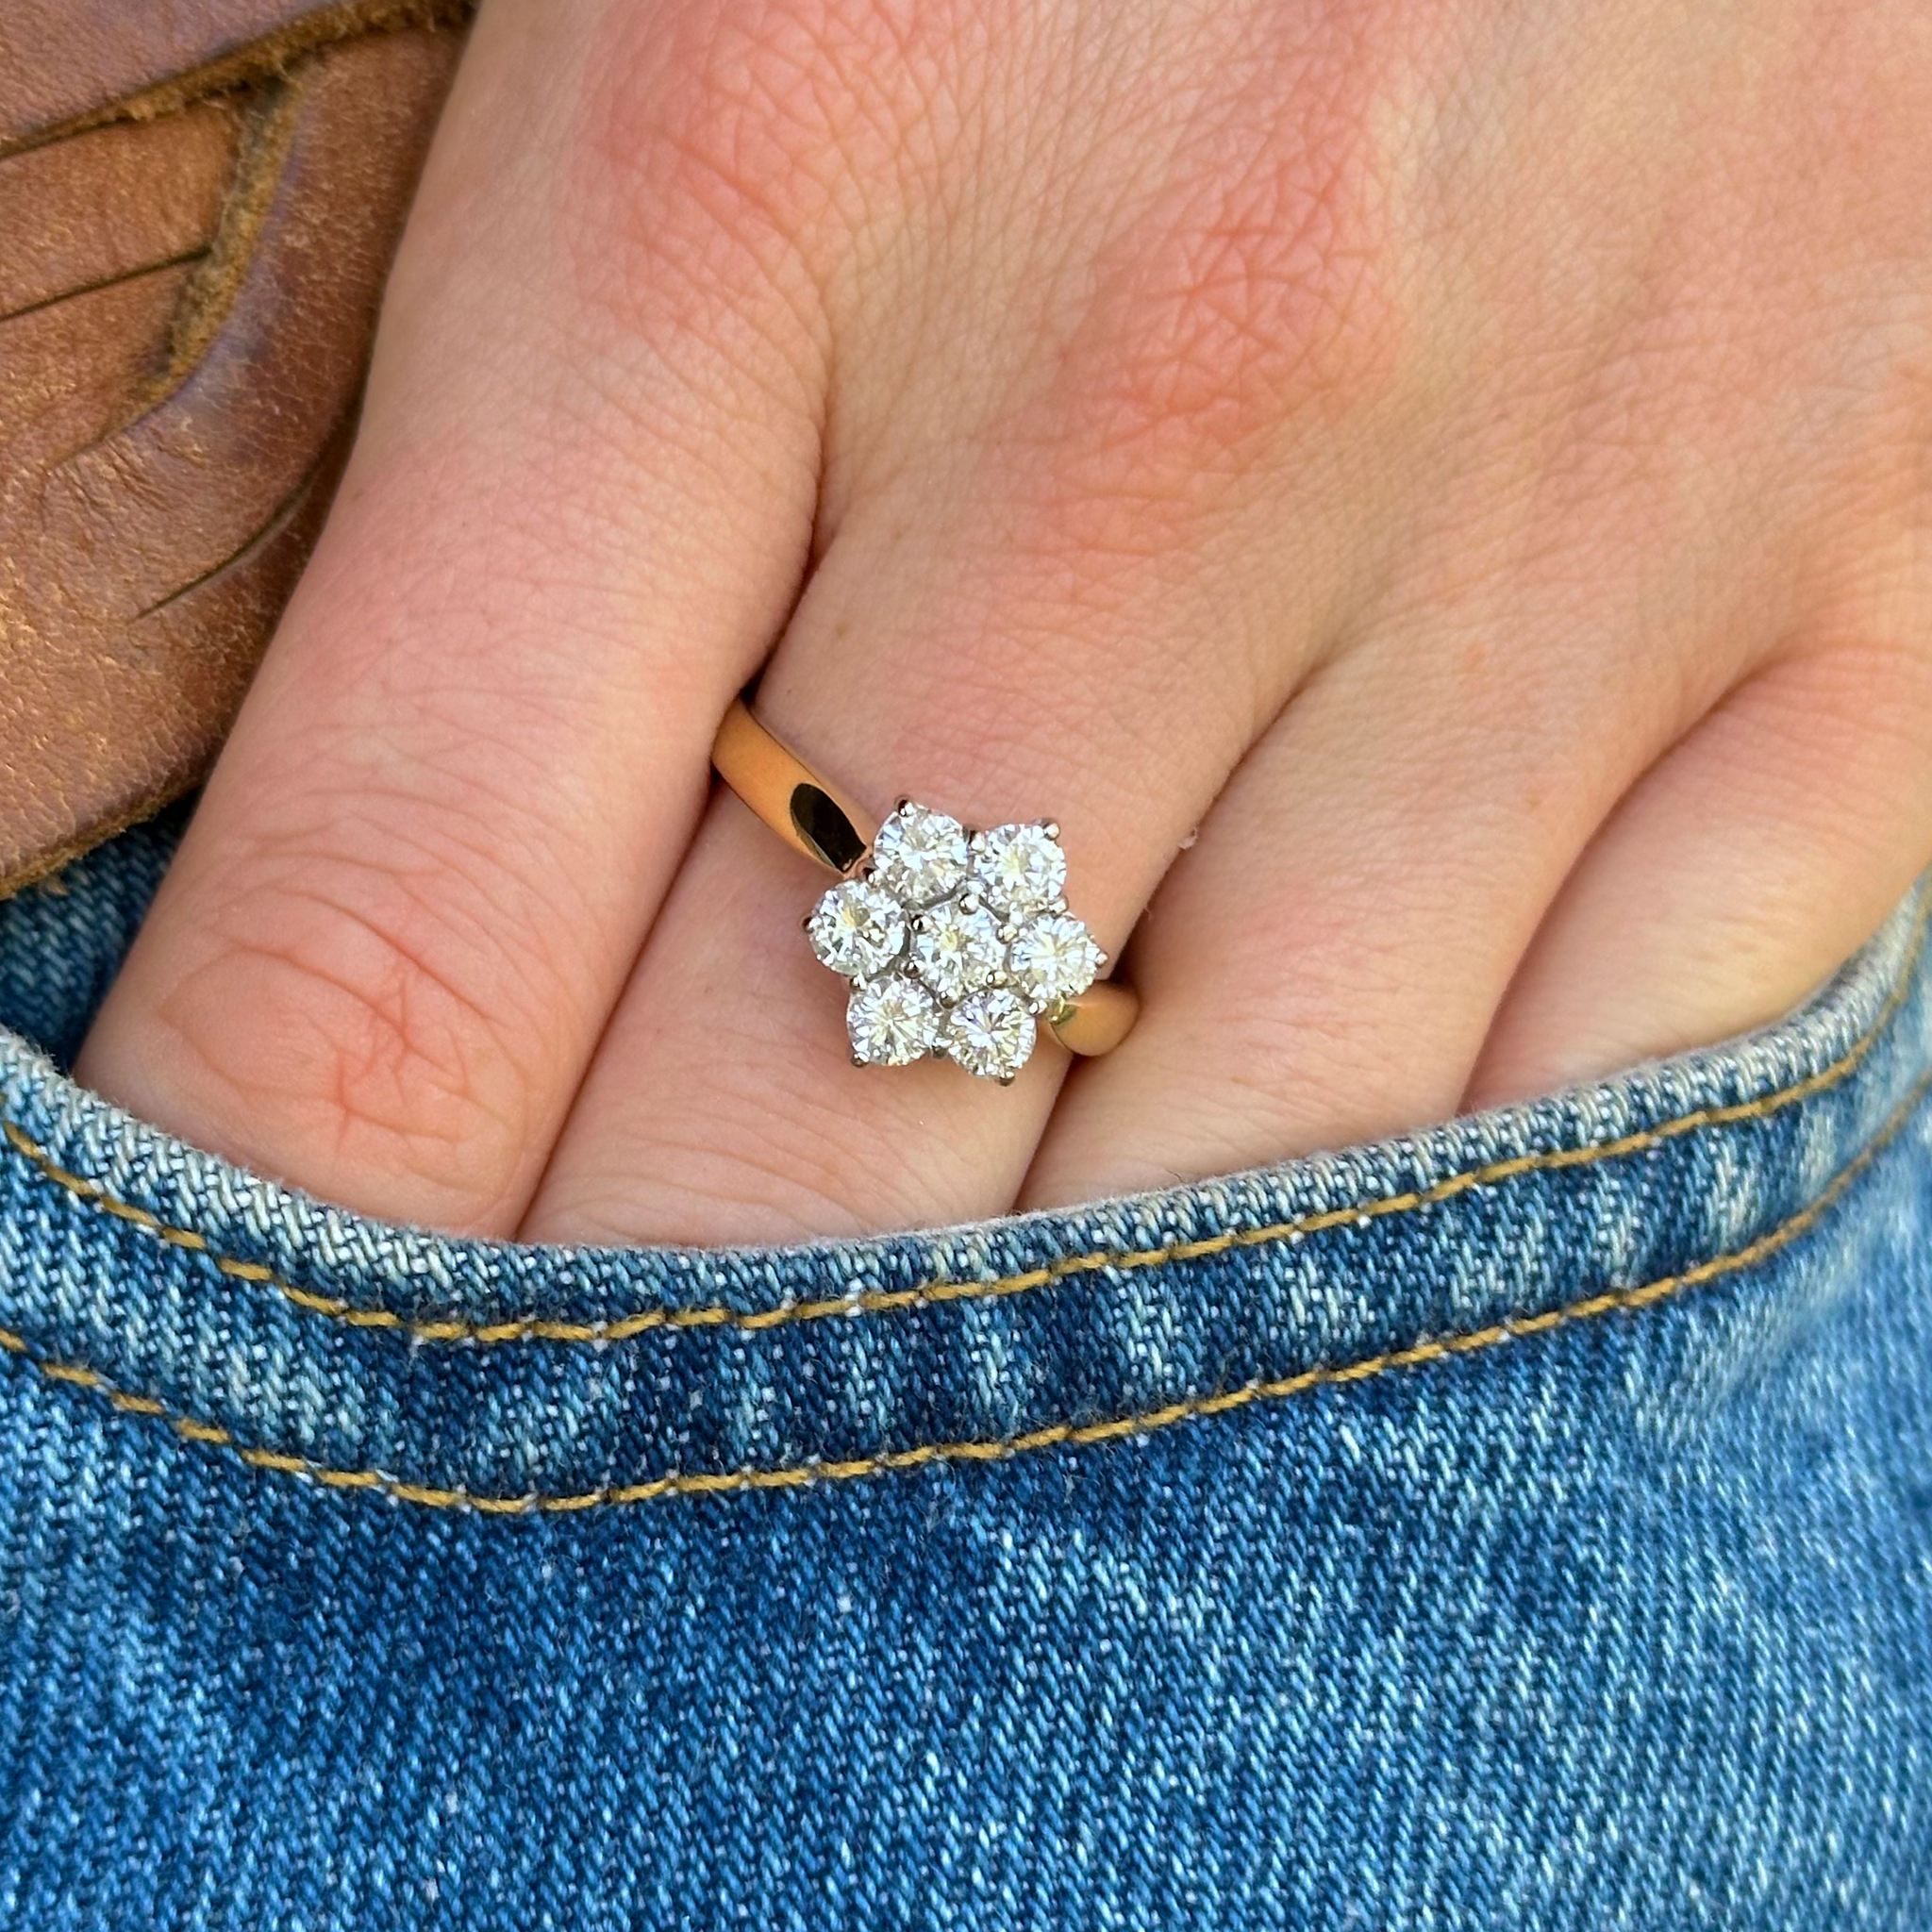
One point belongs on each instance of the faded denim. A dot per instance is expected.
(1525, 1523)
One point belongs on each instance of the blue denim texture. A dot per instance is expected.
(1524, 1524)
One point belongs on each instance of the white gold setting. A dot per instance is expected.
(956, 942)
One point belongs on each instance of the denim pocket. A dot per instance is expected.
(1522, 1522)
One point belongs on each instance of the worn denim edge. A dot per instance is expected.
(262, 1229)
(1206, 1327)
(798, 1468)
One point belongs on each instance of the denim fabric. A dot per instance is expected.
(1525, 1523)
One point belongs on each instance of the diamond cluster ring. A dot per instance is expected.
(956, 942)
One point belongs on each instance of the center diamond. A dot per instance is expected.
(957, 948)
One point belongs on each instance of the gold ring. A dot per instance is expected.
(956, 944)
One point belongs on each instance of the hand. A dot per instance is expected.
(1432, 498)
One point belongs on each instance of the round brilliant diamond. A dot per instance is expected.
(1053, 957)
(991, 1033)
(856, 929)
(920, 855)
(891, 1022)
(957, 950)
(1022, 868)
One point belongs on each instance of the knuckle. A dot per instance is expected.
(342, 1014)
(1255, 287)
(1251, 299)
(757, 118)
(724, 152)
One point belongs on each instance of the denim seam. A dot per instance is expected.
(999, 1449)
(888, 1301)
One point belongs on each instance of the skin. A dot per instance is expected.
(1432, 497)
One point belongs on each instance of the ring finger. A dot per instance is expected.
(965, 644)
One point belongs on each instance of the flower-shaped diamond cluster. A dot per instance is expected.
(956, 942)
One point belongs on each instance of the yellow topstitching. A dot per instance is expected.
(881, 1301)
(1070, 1435)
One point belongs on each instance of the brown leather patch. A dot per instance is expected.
(190, 270)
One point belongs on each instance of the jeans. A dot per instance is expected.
(1525, 1523)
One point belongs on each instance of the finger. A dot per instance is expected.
(724, 1102)
(1736, 874)
(579, 508)
(1322, 967)
(950, 662)
(1326, 965)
